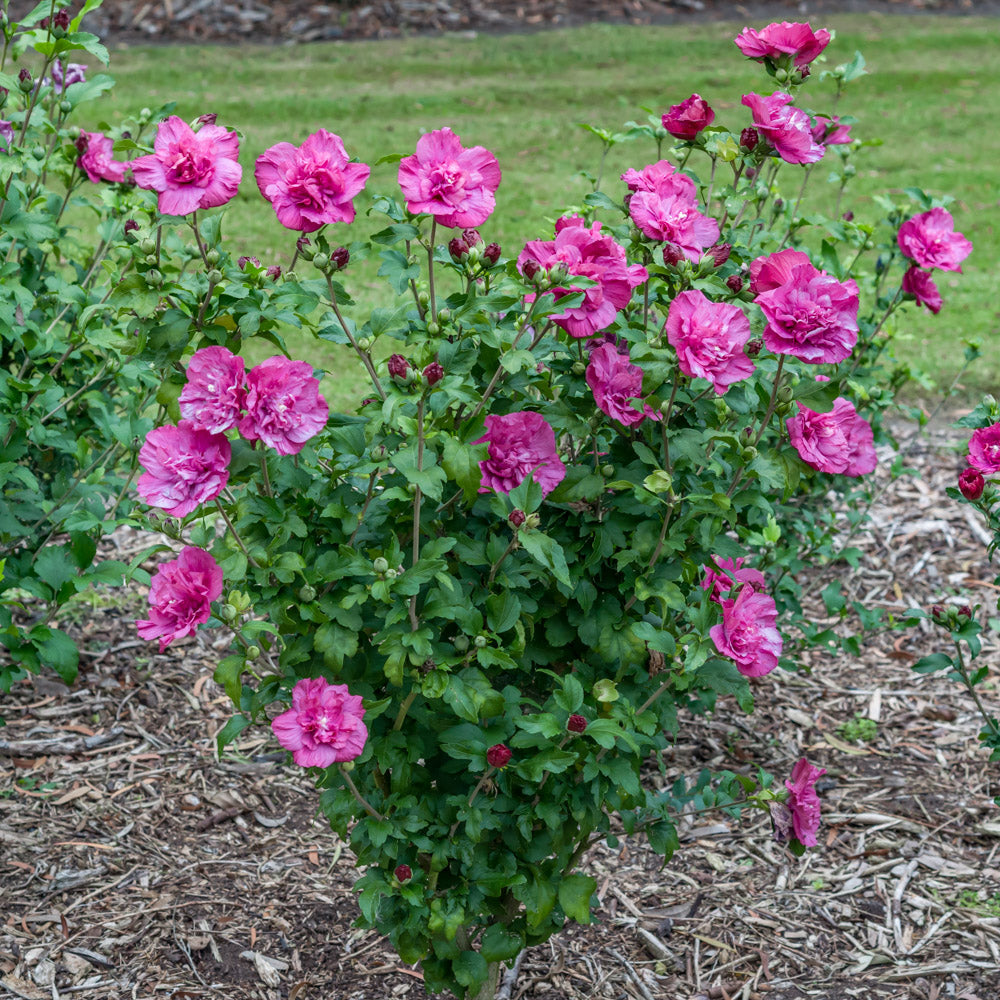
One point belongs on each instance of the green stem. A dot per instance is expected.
(430, 269)
(239, 541)
(361, 799)
(403, 709)
(963, 670)
(364, 355)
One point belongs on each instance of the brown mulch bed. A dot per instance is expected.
(135, 864)
(285, 21)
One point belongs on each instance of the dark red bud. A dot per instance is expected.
(340, 257)
(25, 75)
(43, 23)
(720, 253)
(672, 254)
(848, 216)
(433, 373)
(754, 347)
(516, 518)
(971, 483)
(458, 249)
(498, 755)
(403, 873)
(734, 283)
(937, 611)
(398, 366)
(530, 269)
(492, 253)
(243, 261)
(61, 20)
(576, 723)
(131, 225)
(208, 119)
(779, 204)
(749, 138)
(471, 237)
(302, 242)
(965, 611)
(274, 272)
(81, 144)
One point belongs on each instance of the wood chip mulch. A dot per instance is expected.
(289, 21)
(135, 864)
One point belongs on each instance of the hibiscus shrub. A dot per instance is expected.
(578, 503)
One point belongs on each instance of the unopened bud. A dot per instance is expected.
(965, 611)
(340, 257)
(754, 347)
(971, 483)
(472, 237)
(491, 254)
(304, 247)
(458, 249)
(848, 216)
(720, 253)
(242, 262)
(749, 138)
(380, 565)
(320, 261)
(433, 373)
(403, 873)
(498, 756)
(516, 518)
(61, 20)
(24, 81)
(576, 723)
(672, 255)
(274, 272)
(398, 366)
(252, 652)
(734, 283)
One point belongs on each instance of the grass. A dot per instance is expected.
(934, 86)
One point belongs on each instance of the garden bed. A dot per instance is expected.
(134, 863)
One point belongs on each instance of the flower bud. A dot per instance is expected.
(971, 483)
(532, 521)
(252, 652)
(607, 470)
(720, 253)
(734, 283)
(480, 641)
(403, 873)
(461, 643)
(307, 593)
(398, 366)
(433, 328)
(320, 261)
(24, 81)
(471, 237)
(458, 249)
(516, 518)
(433, 373)
(131, 226)
(749, 138)
(754, 347)
(848, 216)
(498, 756)
(243, 261)
(304, 247)
(965, 611)
(576, 723)
(340, 257)
(672, 255)
(380, 565)
(530, 270)
(227, 613)
(274, 272)
(785, 394)
(491, 254)
(61, 20)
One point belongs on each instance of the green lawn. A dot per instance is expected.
(932, 97)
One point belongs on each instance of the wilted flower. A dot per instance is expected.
(804, 802)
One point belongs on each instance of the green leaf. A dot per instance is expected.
(502, 610)
(574, 896)
(499, 944)
(231, 730)
(471, 969)
(548, 552)
(662, 837)
(56, 650)
(932, 663)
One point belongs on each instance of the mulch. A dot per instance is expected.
(136, 864)
(122, 22)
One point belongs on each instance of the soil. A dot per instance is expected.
(121, 22)
(134, 863)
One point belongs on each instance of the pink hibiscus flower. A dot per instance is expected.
(184, 467)
(921, 286)
(788, 129)
(190, 170)
(804, 802)
(687, 119)
(729, 573)
(323, 726)
(454, 184)
(810, 315)
(836, 442)
(984, 449)
(748, 633)
(653, 175)
(930, 240)
(785, 40)
(97, 159)
(709, 338)
(284, 406)
(669, 212)
(615, 382)
(310, 185)
(830, 132)
(180, 596)
(586, 252)
(216, 390)
(520, 444)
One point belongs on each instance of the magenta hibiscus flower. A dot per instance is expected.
(97, 159)
(284, 406)
(784, 40)
(323, 726)
(180, 596)
(930, 240)
(310, 185)
(615, 382)
(216, 390)
(190, 170)
(520, 444)
(454, 184)
(836, 442)
(184, 467)
(984, 449)
(748, 633)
